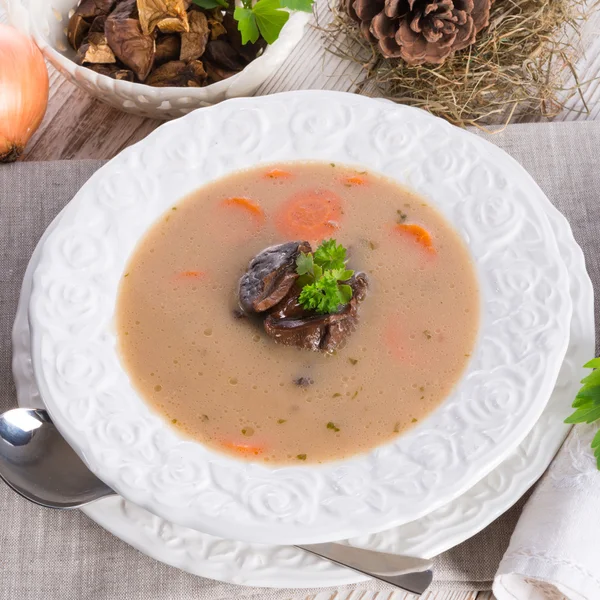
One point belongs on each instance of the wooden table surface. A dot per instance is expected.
(77, 127)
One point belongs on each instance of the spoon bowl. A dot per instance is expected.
(38, 464)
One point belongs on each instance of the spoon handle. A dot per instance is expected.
(405, 572)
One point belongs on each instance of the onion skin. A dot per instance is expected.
(23, 91)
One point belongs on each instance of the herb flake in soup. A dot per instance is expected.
(232, 376)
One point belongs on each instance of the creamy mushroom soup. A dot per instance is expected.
(316, 355)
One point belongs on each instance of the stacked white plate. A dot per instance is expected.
(430, 490)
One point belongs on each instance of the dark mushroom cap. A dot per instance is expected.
(270, 276)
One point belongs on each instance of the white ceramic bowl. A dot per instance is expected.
(526, 310)
(47, 20)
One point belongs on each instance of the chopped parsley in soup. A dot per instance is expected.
(298, 313)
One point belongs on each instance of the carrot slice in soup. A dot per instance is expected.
(247, 205)
(278, 174)
(191, 275)
(311, 215)
(418, 233)
(355, 180)
(243, 448)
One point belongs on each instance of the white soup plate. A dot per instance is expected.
(524, 328)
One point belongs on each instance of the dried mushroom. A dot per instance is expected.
(178, 74)
(168, 15)
(89, 9)
(194, 42)
(217, 73)
(223, 54)
(96, 50)
(247, 51)
(165, 43)
(113, 71)
(98, 24)
(215, 24)
(77, 30)
(127, 40)
(123, 75)
(168, 48)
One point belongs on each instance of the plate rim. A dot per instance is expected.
(255, 525)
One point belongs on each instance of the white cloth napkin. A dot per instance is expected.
(554, 552)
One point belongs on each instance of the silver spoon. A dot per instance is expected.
(38, 464)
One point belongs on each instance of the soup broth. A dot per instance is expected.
(220, 380)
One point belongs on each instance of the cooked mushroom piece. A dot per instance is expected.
(127, 40)
(96, 50)
(169, 16)
(270, 276)
(194, 42)
(178, 74)
(168, 48)
(77, 30)
(291, 325)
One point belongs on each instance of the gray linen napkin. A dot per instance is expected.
(48, 554)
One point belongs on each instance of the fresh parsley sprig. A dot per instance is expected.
(321, 276)
(265, 17)
(587, 403)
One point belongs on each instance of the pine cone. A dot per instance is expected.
(420, 31)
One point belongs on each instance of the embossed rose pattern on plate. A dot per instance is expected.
(526, 310)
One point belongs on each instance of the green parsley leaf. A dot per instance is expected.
(323, 296)
(345, 293)
(247, 24)
(320, 276)
(593, 378)
(209, 4)
(330, 255)
(303, 5)
(305, 264)
(333, 426)
(585, 414)
(587, 404)
(270, 19)
(304, 280)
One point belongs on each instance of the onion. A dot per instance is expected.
(23, 91)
